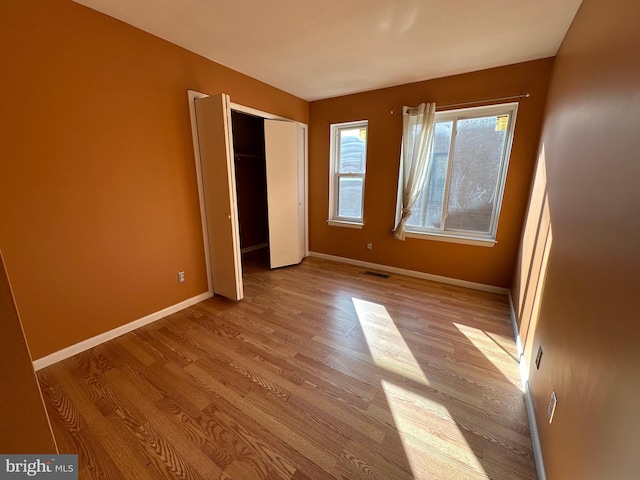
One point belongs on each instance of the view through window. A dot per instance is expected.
(463, 188)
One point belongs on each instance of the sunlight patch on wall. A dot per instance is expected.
(536, 244)
(533, 300)
(399, 20)
(531, 233)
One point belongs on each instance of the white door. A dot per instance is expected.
(213, 116)
(283, 201)
(302, 191)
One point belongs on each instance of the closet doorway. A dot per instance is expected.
(251, 188)
(262, 184)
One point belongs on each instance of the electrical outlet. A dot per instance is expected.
(538, 357)
(552, 405)
(181, 277)
(369, 245)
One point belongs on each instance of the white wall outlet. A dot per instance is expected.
(181, 277)
(369, 245)
(552, 405)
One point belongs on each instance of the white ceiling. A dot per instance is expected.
(324, 48)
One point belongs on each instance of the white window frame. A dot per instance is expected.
(335, 175)
(466, 236)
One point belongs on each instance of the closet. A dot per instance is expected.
(251, 183)
(251, 187)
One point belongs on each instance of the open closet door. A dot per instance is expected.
(213, 115)
(281, 151)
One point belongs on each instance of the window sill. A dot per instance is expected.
(342, 223)
(479, 242)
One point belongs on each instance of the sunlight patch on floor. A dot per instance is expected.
(496, 349)
(386, 344)
(430, 437)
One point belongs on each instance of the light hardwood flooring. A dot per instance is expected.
(322, 371)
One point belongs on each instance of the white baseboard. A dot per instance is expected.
(414, 273)
(533, 428)
(254, 247)
(116, 332)
(528, 398)
(514, 325)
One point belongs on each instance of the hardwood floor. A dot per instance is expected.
(322, 371)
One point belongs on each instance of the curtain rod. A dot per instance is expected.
(465, 104)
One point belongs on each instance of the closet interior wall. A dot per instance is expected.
(251, 179)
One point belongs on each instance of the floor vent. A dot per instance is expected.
(376, 274)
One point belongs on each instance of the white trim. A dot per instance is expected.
(334, 170)
(528, 398)
(415, 274)
(342, 223)
(302, 192)
(306, 191)
(116, 332)
(192, 95)
(514, 325)
(270, 116)
(533, 428)
(478, 242)
(455, 115)
(233, 197)
(253, 248)
(259, 113)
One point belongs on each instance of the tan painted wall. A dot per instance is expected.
(576, 287)
(98, 199)
(493, 266)
(23, 419)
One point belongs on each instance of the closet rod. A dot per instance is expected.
(466, 104)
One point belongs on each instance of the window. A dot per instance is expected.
(463, 189)
(348, 166)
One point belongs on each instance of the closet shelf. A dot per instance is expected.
(248, 155)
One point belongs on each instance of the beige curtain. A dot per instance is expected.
(417, 138)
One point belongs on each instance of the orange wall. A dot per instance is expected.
(493, 266)
(576, 287)
(98, 199)
(24, 420)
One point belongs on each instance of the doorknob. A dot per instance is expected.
(229, 217)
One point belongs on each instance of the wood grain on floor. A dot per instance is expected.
(320, 372)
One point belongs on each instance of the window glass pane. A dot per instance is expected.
(438, 174)
(474, 174)
(427, 211)
(415, 219)
(350, 197)
(353, 143)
